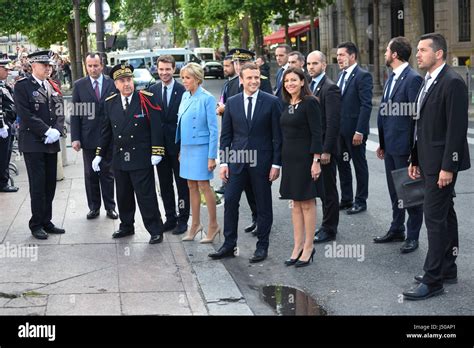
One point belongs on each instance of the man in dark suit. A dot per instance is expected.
(439, 153)
(39, 104)
(132, 123)
(281, 55)
(251, 125)
(296, 59)
(355, 84)
(167, 94)
(88, 95)
(394, 124)
(329, 97)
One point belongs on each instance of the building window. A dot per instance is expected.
(464, 13)
(397, 15)
(428, 16)
(335, 29)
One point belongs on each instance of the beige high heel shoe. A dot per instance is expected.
(211, 236)
(189, 237)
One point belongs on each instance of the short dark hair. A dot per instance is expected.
(402, 47)
(286, 47)
(439, 43)
(93, 54)
(262, 58)
(350, 47)
(300, 55)
(248, 66)
(305, 91)
(166, 58)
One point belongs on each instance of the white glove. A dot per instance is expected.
(48, 140)
(95, 163)
(53, 134)
(4, 131)
(155, 160)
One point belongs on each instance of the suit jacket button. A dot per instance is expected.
(135, 125)
(119, 136)
(131, 136)
(121, 149)
(115, 126)
(133, 148)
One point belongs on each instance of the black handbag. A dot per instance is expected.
(410, 193)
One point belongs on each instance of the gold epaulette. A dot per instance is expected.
(110, 96)
(97, 151)
(157, 150)
(146, 93)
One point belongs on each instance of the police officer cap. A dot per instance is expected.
(6, 63)
(241, 54)
(121, 70)
(45, 57)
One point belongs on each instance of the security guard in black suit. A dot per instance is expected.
(39, 105)
(133, 124)
(7, 118)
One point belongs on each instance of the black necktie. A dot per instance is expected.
(249, 111)
(165, 97)
(126, 103)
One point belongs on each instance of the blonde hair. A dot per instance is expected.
(195, 70)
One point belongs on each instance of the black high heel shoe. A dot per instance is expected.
(305, 263)
(291, 262)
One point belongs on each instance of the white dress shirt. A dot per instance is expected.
(100, 80)
(397, 72)
(129, 100)
(246, 102)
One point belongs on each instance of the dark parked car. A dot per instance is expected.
(213, 68)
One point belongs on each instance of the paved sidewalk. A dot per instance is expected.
(86, 272)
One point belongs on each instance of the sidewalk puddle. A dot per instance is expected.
(286, 300)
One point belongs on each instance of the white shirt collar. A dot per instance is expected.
(38, 80)
(398, 71)
(254, 96)
(349, 70)
(170, 85)
(435, 73)
(100, 79)
(129, 99)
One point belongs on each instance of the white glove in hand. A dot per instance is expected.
(155, 160)
(4, 131)
(95, 163)
(53, 134)
(48, 140)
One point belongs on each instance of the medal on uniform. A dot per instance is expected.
(35, 93)
(37, 106)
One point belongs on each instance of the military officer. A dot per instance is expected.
(39, 105)
(7, 118)
(132, 123)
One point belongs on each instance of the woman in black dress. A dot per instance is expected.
(302, 147)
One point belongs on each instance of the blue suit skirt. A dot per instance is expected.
(193, 162)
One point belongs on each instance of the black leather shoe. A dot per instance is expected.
(122, 233)
(258, 256)
(157, 238)
(220, 190)
(345, 205)
(251, 228)
(111, 214)
(169, 226)
(324, 236)
(40, 234)
(291, 262)
(93, 214)
(181, 228)
(301, 263)
(222, 253)
(356, 209)
(55, 230)
(451, 280)
(9, 189)
(409, 246)
(422, 292)
(390, 236)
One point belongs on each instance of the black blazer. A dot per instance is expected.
(38, 109)
(329, 97)
(86, 129)
(263, 135)
(135, 135)
(442, 127)
(170, 115)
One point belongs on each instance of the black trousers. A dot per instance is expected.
(330, 196)
(415, 214)
(442, 227)
(139, 183)
(41, 168)
(168, 167)
(5, 155)
(263, 195)
(99, 181)
(357, 155)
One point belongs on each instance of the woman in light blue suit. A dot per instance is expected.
(197, 131)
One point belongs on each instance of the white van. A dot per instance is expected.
(137, 59)
(182, 56)
(205, 53)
